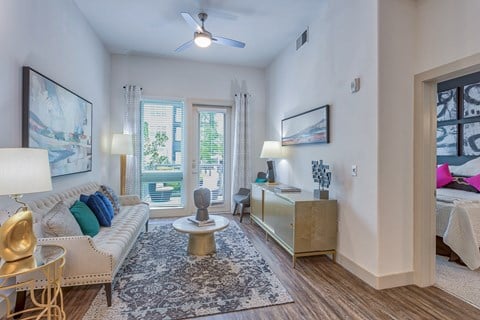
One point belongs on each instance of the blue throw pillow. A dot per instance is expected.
(84, 198)
(107, 203)
(99, 208)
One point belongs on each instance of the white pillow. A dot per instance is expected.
(59, 222)
(470, 168)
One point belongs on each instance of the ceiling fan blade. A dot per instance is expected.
(184, 46)
(228, 42)
(189, 19)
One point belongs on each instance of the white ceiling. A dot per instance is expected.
(156, 28)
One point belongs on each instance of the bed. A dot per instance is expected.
(458, 216)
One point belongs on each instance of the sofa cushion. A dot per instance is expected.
(59, 222)
(111, 195)
(123, 232)
(98, 208)
(107, 203)
(85, 218)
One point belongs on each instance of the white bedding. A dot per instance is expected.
(450, 195)
(458, 222)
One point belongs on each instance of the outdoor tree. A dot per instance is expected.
(211, 141)
(152, 147)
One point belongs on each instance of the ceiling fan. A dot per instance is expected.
(202, 38)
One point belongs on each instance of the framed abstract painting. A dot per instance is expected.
(307, 127)
(58, 120)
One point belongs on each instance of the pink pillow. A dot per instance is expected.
(474, 181)
(443, 175)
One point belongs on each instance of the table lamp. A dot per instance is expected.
(122, 144)
(271, 150)
(22, 170)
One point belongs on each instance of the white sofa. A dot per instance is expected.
(91, 260)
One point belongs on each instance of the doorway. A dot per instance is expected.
(211, 161)
(425, 86)
(184, 146)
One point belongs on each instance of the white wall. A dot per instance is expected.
(414, 36)
(169, 78)
(447, 30)
(395, 135)
(52, 37)
(342, 46)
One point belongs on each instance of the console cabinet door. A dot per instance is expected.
(256, 202)
(279, 217)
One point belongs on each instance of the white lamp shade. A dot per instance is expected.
(271, 150)
(122, 143)
(24, 170)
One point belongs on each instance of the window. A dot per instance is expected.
(162, 152)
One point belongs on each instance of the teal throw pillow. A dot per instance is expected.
(107, 203)
(98, 208)
(86, 218)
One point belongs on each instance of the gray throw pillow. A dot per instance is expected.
(59, 222)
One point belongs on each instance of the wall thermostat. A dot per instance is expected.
(355, 85)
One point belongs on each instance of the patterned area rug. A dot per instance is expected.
(160, 281)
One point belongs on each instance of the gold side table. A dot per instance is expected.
(201, 240)
(47, 264)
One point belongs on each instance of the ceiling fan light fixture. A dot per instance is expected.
(202, 40)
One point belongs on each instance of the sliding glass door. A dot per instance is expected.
(174, 134)
(212, 154)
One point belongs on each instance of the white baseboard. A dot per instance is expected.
(377, 282)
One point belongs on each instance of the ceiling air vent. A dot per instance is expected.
(302, 39)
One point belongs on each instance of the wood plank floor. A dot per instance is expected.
(321, 290)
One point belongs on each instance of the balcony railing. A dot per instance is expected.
(164, 187)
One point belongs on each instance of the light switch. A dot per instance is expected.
(354, 170)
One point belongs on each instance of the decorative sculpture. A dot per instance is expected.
(322, 177)
(201, 198)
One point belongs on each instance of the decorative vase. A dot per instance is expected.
(17, 240)
(201, 198)
(320, 194)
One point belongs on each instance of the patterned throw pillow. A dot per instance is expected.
(110, 194)
(461, 183)
(59, 222)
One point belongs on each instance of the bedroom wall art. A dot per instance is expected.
(308, 127)
(57, 119)
(458, 119)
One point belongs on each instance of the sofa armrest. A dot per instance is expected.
(80, 265)
(130, 200)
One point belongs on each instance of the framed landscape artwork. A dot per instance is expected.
(307, 127)
(58, 120)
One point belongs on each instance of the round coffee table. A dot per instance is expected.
(201, 240)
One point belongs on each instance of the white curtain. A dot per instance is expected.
(241, 166)
(131, 125)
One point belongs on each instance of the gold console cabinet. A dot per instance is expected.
(301, 224)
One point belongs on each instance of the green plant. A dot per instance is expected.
(211, 141)
(152, 158)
